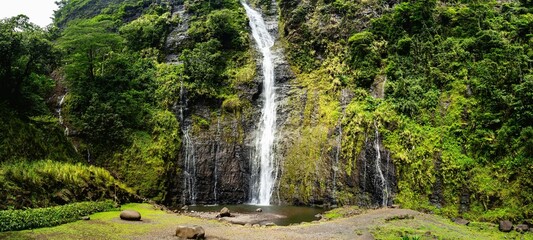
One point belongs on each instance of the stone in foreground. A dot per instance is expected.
(190, 232)
(521, 228)
(224, 212)
(461, 221)
(130, 215)
(505, 226)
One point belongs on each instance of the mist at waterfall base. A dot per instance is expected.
(293, 214)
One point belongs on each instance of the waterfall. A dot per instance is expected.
(189, 168)
(189, 162)
(335, 167)
(59, 112)
(264, 170)
(215, 171)
(380, 177)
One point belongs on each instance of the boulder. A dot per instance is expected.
(269, 224)
(461, 221)
(86, 218)
(190, 232)
(130, 215)
(185, 208)
(224, 212)
(521, 228)
(505, 226)
(259, 210)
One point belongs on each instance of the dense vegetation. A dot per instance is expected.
(447, 84)
(13, 220)
(109, 58)
(48, 183)
(455, 111)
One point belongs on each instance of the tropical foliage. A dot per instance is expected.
(455, 114)
(445, 86)
(13, 220)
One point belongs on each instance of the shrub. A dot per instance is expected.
(48, 183)
(13, 220)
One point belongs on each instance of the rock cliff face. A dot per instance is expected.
(219, 143)
(332, 149)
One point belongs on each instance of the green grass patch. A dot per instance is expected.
(437, 227)
(107, 225)
(342, 212)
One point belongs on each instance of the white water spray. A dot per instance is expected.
(263, 185)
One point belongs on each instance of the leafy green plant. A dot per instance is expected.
(48, 183)
(13, 220)
(410, 237)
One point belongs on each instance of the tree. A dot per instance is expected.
(203, 65)
(145, 32)
(224, 25)
(86, 44)
(27, 58)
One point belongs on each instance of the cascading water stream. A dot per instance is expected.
(189, 163)
(381, 178)
(59, 112)
(264, 171)
(337, 156)
(215, 171)
(189, 167)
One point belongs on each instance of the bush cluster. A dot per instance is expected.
(47, 183)
(13, 220)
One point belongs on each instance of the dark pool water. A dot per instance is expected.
(294, 214)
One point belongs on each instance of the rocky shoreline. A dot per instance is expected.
(251, 219)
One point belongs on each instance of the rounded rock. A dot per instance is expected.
(190, 232)
(224, 212)
(521, 228)
(130, 215)
(505, 226)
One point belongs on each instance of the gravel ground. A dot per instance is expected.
(355, 227)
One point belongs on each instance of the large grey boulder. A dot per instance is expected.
(505, 226)
(190, 232)
(130, 215)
